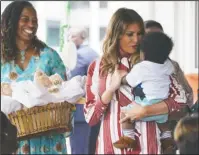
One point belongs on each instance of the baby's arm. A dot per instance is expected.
(134, 77)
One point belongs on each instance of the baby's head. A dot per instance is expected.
(8, 136)
(156, 47)
(186, 134)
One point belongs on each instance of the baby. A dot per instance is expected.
(150, 80)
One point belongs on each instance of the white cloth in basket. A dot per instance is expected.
(9, 105)
(30, 95)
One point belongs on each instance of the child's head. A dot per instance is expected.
(8, 136)
(156, 47)
(186, 134)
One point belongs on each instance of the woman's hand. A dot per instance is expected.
(114, 85)
(136, 113)
(116, 79)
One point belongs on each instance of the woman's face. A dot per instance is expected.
(27, 24)
(129, 41)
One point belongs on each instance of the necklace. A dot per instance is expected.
(22, 54)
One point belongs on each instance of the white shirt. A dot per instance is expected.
(154, 78)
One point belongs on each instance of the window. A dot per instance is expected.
(197, 35)
(79, 4)
(53, 33)
(102, 32)
(103, 4)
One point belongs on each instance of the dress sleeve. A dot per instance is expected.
(57, 65)
(177, 98)
(180, 77)
(94, 108)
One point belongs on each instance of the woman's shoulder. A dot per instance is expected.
(94, 64)
(175, 65)
(5, 67)
(48, 50)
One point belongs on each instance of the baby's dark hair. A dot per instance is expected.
(156, 47)
(8, 136)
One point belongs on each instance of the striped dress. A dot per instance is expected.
(110, 130)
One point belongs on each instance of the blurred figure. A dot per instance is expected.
(85, 54)
(152, 26)
(8, 136)
(84, 136)
(186, 134)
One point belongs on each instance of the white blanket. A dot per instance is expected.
(30, 94)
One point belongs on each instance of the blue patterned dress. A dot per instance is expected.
(50, 62)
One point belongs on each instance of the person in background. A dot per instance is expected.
(22, 53)
(8, 136)
(154, 26)
(84, 136)
(85, 54)
(186, 134)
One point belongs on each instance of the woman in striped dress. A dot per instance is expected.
(105, 96)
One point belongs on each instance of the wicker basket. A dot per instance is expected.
(42, 120)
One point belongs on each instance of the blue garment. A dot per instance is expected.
(49, 62)
(85, 55)
(94, 132)
(145, 102)
(80, 139)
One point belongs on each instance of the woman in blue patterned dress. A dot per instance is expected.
(21, 54)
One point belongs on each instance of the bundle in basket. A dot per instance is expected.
(42, 120)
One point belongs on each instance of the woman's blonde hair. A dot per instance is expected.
(116, 27)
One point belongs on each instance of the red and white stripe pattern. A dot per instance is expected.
(148, 134)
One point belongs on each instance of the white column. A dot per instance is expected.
(94, 26)
(164, 13)
(185, 35)
(42, 30)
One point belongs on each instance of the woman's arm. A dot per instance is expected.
(97, 105)
(94, 107)
(57, 65)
